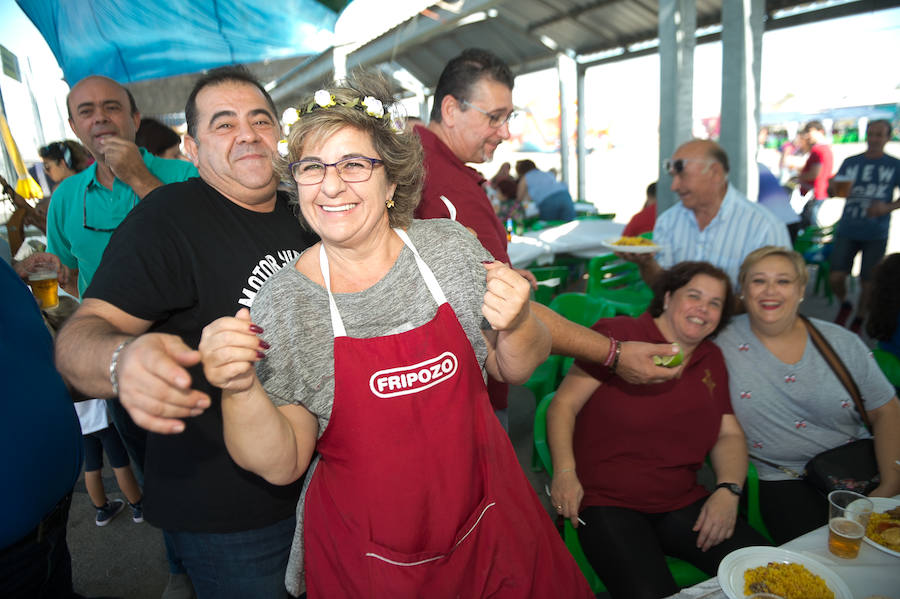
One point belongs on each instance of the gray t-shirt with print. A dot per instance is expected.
(293, 311)
(791, 412)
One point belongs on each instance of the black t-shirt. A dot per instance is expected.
(185, 256)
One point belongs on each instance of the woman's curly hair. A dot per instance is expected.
(397, 146)
(884, 299)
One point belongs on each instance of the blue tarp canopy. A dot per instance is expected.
(135, 40)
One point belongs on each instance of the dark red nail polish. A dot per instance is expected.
(260, 355)
(255, 328)
(487, 261)
(263, 344)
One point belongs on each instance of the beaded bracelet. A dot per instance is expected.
(612, 352)
(615, 362)
(114, 365)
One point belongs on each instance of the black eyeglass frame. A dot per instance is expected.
(84, 214)
(676, 167)
(372, 161)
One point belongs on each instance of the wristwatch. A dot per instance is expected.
(733, 487)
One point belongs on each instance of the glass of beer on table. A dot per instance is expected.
(44, 285)
(848, 516)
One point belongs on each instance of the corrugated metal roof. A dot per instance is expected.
(529, 34)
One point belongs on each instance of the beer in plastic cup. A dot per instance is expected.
(848, 516)
(44, 286)
(842, 186)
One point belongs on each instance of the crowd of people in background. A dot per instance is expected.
(306, 390)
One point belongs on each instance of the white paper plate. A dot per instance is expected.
(610, 244)
(732, 568)
(882, 504)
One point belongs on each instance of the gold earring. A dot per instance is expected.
(390, 203)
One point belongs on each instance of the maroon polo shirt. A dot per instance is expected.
(640, 446)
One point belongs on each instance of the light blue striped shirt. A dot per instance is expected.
(737, 229)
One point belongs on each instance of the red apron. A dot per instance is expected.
(418, 492)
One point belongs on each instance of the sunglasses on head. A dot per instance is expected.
(676, 167)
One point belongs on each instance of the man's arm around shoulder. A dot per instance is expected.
(154, 385)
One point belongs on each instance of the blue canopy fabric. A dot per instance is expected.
(134, 40)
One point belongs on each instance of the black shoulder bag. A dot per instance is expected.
(851, 466)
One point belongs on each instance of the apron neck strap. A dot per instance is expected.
(337, 323)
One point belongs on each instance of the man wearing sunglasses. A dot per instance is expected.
(87, 207)
(713, 221)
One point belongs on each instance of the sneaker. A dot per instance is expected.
(137, 511)
(109, 511)
(856, 326)
(843, 314)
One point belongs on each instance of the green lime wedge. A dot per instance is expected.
(669, 361)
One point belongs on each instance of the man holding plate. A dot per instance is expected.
(713, 221)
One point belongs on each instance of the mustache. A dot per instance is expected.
(246, 150)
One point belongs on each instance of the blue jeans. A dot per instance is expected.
(249, 563)
(557, 206)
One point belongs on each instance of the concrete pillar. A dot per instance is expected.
(566, 68)
(742, 29)
(581, 137)
(677, 24)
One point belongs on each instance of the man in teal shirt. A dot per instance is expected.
(86, 208)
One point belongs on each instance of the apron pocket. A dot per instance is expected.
(398, 574)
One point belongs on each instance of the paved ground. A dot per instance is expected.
(124, 559)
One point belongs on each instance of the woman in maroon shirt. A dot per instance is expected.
(625, 457)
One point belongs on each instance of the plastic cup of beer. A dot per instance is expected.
(842, 186)
(44, 286)
(848, 516)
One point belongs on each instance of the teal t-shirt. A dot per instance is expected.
(83, 213)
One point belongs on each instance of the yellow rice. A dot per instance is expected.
(633, 241)
(791, 581)
(875, 535)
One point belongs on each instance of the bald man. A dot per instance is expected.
(713, 221)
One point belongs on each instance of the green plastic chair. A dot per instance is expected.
(581, 308)
(544, 293)
(889, 364)
(684, 573)
(750, 509)
(543, 380)
(630, 301)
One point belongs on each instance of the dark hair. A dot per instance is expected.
(508, 188)
(885, 123)
(651, 189)
(680, 275)
(131, 103)
(156, 137)
(71, 153)
(884, 299)
(817, 125)
(227, 74)
(397, 146)
(464, 71)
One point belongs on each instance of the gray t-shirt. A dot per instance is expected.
(293, 311)
(791, 412)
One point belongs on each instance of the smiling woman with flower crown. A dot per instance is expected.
(376, 347)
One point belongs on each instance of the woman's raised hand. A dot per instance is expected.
(229, 348)
(507, 299)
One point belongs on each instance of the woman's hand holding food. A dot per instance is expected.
(506, 302)
(717, 519)
(229, 348)
(566, 494)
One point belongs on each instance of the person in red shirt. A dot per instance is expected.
(643, 221)
(816, 172)
(625, 457)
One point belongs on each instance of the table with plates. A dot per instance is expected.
(873, 572)
(583, 238)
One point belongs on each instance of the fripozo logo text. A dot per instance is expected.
(405, 380)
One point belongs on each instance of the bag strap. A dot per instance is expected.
(840, 370)
(786, 470)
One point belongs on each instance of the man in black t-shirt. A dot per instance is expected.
(188, 254)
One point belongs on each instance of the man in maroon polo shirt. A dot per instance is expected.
(469, 119)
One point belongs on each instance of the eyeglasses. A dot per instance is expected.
(351, 170)
(84, 214)
(676, 167)
(495, 119)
